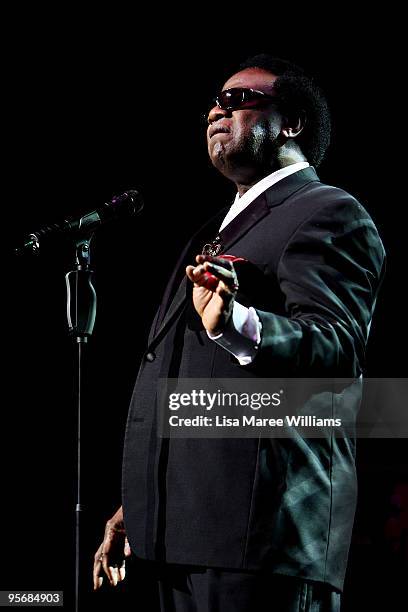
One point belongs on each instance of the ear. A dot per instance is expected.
(293, 125)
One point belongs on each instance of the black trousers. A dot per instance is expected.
(180, 588)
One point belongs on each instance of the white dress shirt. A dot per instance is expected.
(243, 333)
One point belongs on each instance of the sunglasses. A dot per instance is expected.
(241, 97)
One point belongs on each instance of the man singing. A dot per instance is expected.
(256, 524)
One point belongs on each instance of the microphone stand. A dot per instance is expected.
(81, 313)
(81, 303)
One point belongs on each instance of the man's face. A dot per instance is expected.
(243, 143)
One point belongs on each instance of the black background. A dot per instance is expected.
(95, 104)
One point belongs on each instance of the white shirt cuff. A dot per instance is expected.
(242, 336)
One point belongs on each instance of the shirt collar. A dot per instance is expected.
(240, 203)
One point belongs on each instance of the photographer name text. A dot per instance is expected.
(253, 421)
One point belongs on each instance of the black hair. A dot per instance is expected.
(298, 95)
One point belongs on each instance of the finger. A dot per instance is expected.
(122, 572)
(225, 293)
(114, 575)
(218, 270)
(202, 278)
(194, 272)
(127, 550)
(97, 579)
(219, 261)
(189, 272)
(227, 276)
(97, 566)
(197, 274)
(108, 569)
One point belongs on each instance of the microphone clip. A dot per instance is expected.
(81, 295)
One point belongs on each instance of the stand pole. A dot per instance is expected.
(81, 313)
(78, 508)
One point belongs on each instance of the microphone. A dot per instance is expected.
(126, 205)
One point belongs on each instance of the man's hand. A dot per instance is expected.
(110, 556)
(215, 286)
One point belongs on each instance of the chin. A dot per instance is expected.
(218, 155)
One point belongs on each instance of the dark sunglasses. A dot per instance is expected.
(241, 97)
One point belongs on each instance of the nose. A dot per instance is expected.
(217, 113)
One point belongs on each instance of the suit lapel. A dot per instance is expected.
(243, 222)
(259, 208)
(170, 305)
(170, 285)
(239, 226)
(178, 300)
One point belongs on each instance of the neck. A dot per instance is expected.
(288, 154)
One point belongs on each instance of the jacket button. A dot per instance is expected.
(150, 356)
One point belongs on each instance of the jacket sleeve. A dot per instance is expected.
(329, 272)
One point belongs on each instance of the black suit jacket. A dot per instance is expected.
(288, 504)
